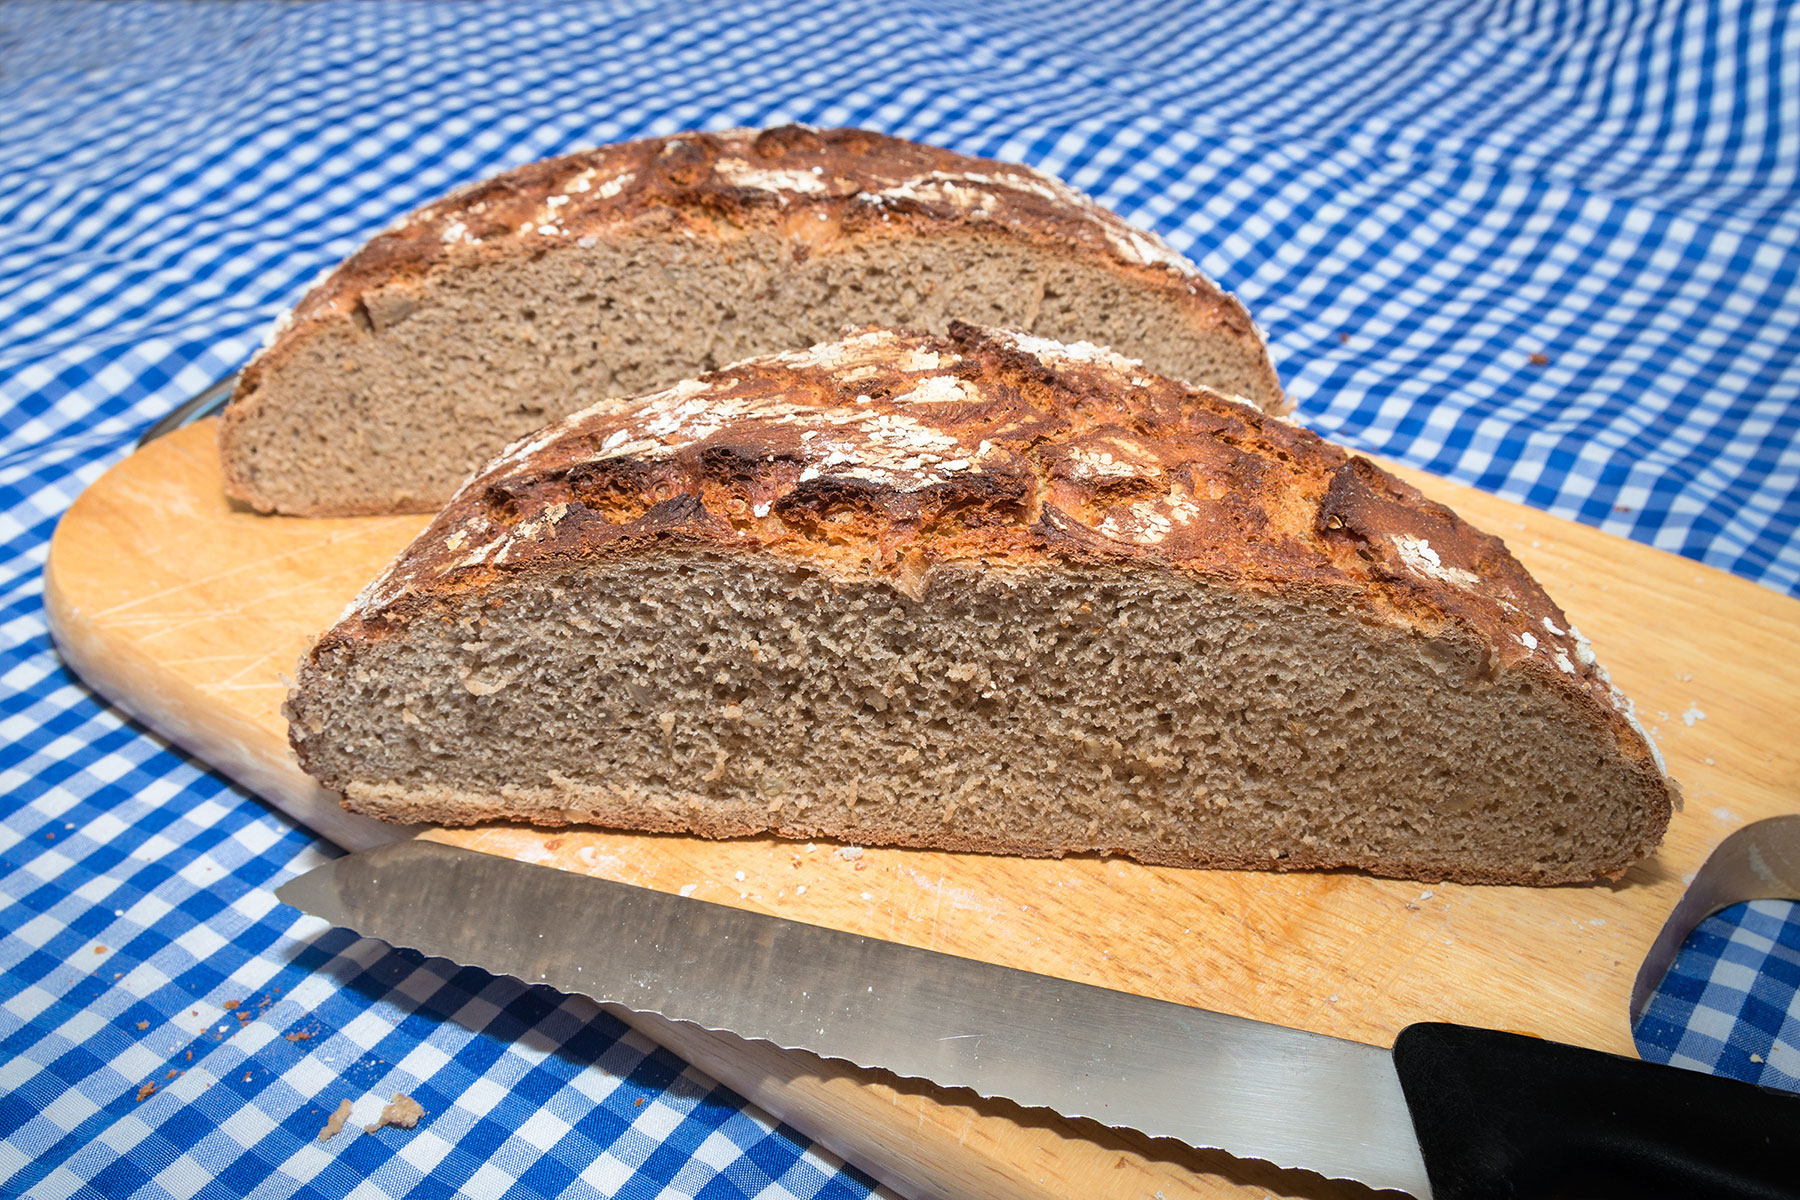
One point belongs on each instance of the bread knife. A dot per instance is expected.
(1449, 1113)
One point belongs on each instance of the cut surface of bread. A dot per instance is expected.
(982, 592)
(614, 272)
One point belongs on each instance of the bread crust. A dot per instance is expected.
(543, 808)
(823, 189)
(890, 455)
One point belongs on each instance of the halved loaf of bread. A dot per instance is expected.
(624, 269)
(983, 592)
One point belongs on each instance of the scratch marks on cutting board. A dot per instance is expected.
(320, 547)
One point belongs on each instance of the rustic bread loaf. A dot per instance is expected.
(624, 269)
(982, 592)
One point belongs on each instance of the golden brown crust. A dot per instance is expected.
(861, 182)
(890, 454)
(823, 188)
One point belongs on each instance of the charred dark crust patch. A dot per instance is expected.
(1021, 455)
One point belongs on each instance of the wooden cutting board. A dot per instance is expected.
(189, 612)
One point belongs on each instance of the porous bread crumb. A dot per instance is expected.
(334, 1124)
(402, 1112)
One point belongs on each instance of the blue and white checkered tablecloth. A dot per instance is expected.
(1414, 198)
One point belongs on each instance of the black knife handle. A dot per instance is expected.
(1502, 1116)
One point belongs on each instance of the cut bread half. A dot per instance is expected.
(981, 592)
(624, 269)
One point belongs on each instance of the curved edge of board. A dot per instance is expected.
(925, 1144)
(921, 1142)
(175, 710)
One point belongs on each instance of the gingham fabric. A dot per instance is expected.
(1728, 1004)
(1414, 198)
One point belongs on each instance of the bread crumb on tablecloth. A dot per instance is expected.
(402, 1111)
(334, 1124)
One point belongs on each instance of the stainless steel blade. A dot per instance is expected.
(1287, 1097)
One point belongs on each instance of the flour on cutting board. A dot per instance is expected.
(960, 898)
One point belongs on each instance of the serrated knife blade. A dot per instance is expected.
(1211, 1080)
(1450, 1113)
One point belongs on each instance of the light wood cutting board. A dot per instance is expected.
(189, 613)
